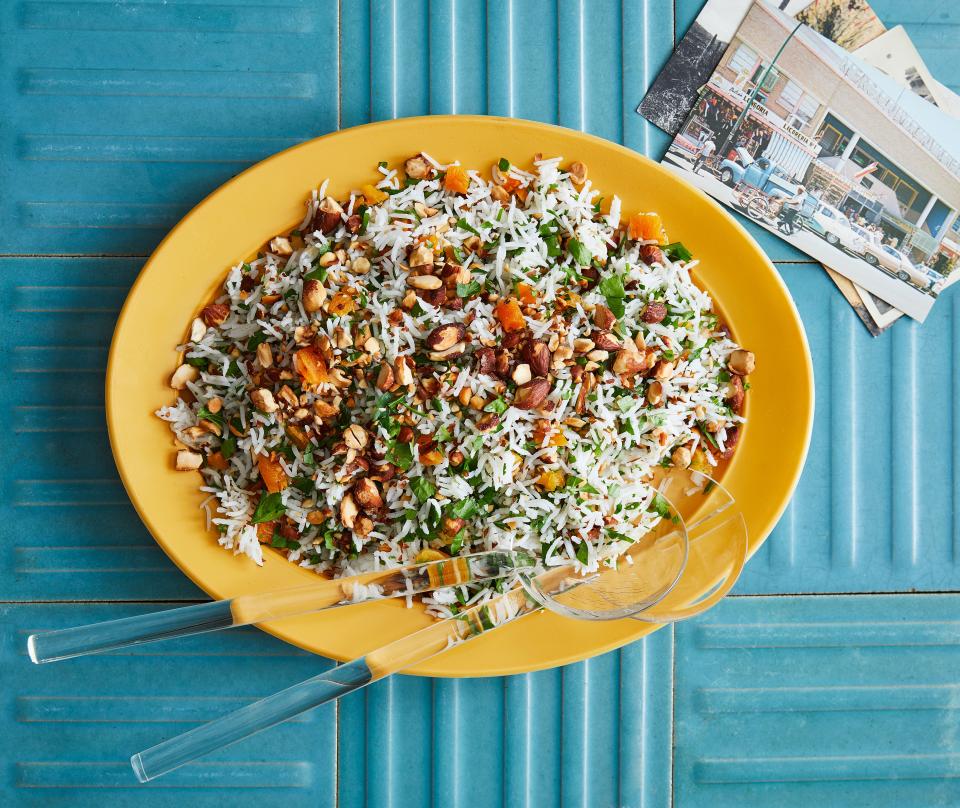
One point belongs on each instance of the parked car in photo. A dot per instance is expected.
(829, 223)
(760, 173)
(896, 263)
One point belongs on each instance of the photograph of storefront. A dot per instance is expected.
(830, 155)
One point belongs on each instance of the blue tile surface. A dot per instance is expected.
(833, 701)
(120, 116)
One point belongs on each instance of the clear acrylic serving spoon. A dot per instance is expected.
(413, 579)
(644, 576)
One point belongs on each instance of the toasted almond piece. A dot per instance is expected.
(454, 350)
(402, 372)
(342, 338)
(367, 495)
(215, 313)
(263, 400)
(655, 393)
(742, 362)
(681, 457)
(323, 409)
(281, 246)
(424, 211)
(582, 345)
(385, 378)
(314, 295)
(356, 437)
(328, 259)
(183, 374)
(210, 426)
(664, 370)
(598, 355)
(417, 168)
(197, 329)
(372, 346)
(348, 511)
(425, 282)
(578, 172)
(532, 394)
(360, 266)
(188, 461)
(264, 355)
(445, 336)
(521, 373)
(500, 194)
(421, 256)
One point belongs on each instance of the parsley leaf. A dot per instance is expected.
(580, 253)
(463, 224)
(422, 488)
(400, 454)
(468, 289)
(660, 505)
(677, 252)
(269, 508)
(583, 552)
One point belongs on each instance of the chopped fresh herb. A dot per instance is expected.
(463, 224)
(503, 164)
(214, 417)
(382, 164)
(400, 454)
(580, 253)
(553, 245)
(269, 508)
(466, 290)
(257, 339)
(319, 274)
(422, 488)
(276, 540)
(583, 552)
(303, 484)
(197, 361)
(443, 434)
(228, 446)
(708, 436)
(498, 405)
(463, 508)
(677, 252)
(457, 545)
(660, 505)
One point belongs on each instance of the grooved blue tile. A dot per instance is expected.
(819, 701)
(596, 733)
(69, 728)
(67, 527)
(119, 117)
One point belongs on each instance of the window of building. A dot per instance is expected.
(805, 112)
(769, 80)
(790, 94)
(743, 59)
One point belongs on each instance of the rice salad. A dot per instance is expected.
(447, 362)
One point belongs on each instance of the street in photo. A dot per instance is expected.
(831, 155)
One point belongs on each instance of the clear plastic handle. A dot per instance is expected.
(246, 609)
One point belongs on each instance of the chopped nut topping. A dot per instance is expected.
(263, 400)
(348, 511)
(197, 330)
(183, 374)
(188, 461)
(264, 355)
(578, 172)
(314, 295)
(417, 168)
(427, 282)
(445, 336)
(281, 246)
(741, 362)
(214, 314)
(356, 437)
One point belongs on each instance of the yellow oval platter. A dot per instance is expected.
(234, 221)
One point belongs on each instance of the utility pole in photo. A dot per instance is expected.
(753, 93)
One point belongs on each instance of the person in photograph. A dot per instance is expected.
(792, 208)
(707, 148)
